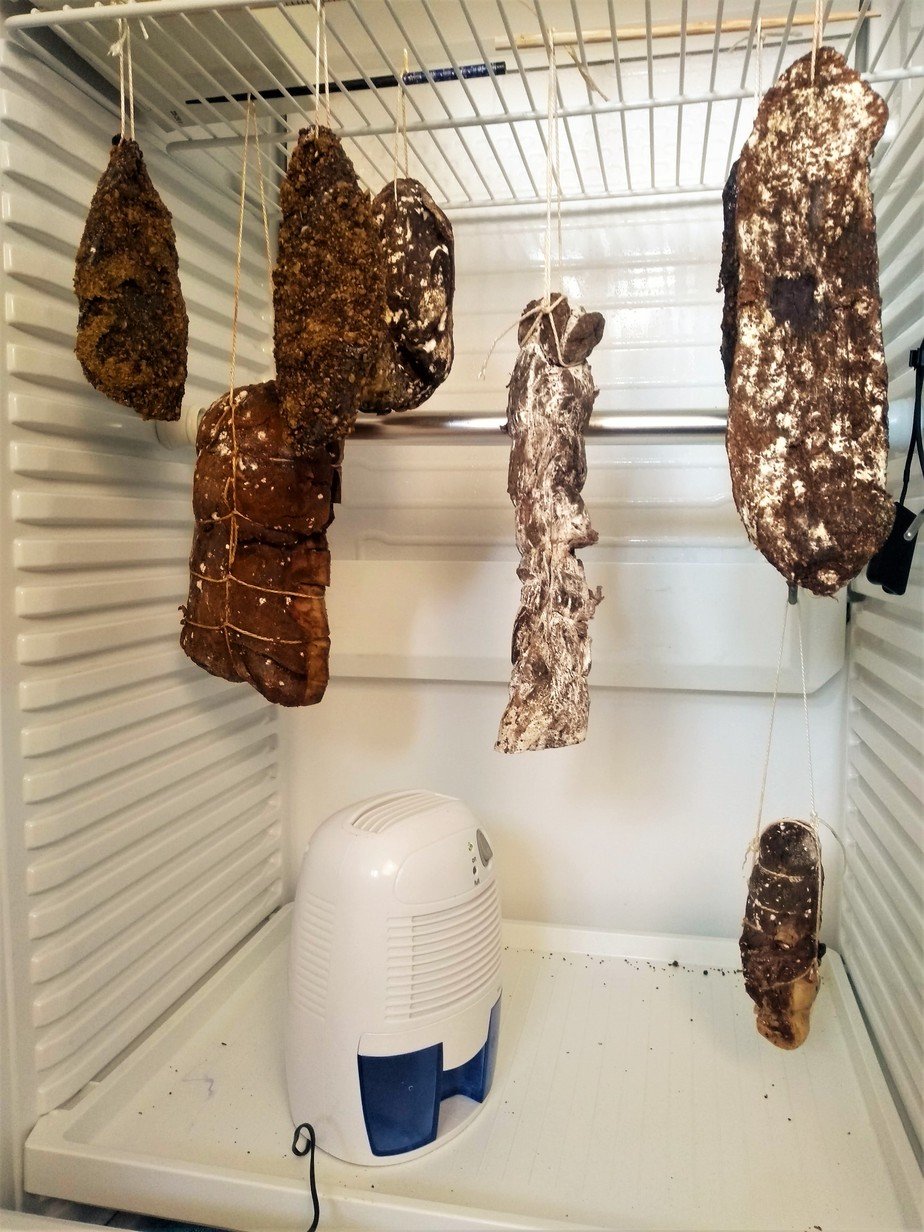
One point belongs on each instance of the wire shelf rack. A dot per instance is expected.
(655, 97)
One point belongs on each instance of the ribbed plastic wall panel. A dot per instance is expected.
(141, 807)
(883, 905)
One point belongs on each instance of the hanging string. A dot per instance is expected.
(813, 816)
(401, 124)
(759, 85)
(320, 56)
(263, 210)
(552, 179)
(817, 25)
(237, 260)
(753, 845)
(122, 48)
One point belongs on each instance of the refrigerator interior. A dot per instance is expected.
(154, 817)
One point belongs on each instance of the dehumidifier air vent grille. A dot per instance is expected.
(443, 959)
(310, 968)
(380, 817)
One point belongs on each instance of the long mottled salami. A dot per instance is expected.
(551, 396)
(807, 428)
(780, 951)
(132, 325)
(260, 564)
(328, 292)
(418, 250)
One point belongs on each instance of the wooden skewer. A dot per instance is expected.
(569, 38)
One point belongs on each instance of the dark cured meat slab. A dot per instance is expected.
(807, 429)
(328, 292)
(132, 327)
(779, 944)
(418, 250)
(551, 396)
(261, 618)
(728, 273)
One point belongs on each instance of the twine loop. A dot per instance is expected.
(122, 47)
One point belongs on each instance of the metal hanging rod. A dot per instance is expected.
(629, 34)
(446, 428)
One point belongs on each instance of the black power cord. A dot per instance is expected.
(891, 565)
(308, 1149)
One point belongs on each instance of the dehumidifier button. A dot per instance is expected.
(484, 848)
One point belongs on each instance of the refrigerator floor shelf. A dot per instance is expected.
(632, 1091)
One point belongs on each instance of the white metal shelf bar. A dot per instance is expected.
(560, 103)
(752, 38)
(784, 41)
(130, 9)
(899, 8)
(466, 89)
(433, 179)
(437, 94)
(582, 53)
(906, 63)
(911, 72)
(707, 128)
(620, 93)
(254, 29)
(524, 78)
(197, 62)
(857, 27)
(486, 60)
(425, 126)
(681, 79)
(106, 67)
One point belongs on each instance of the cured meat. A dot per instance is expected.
(551, 396)
(418, 250)
(328, 292)
(728, 274)
(132, 326)
(259, 563)
(807, 426)
(780, 951)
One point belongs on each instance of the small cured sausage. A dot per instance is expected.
(260, 564)
(780, 951)
(328, 292)
(418, 249)
(551, 396)
(132, 327)
(807, 422)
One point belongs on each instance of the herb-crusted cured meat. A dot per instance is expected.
(418, 250)
(260, 564)
(780, 951)
(807, 429)
(328, 292)
(132, 327)
(551, 396)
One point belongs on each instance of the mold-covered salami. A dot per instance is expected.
(807, 427)
(132, 326)
(418, 250)
(260, 564)
(780, 951)
(328, 292)
(551, 396)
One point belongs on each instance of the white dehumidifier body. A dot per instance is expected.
(394, 977)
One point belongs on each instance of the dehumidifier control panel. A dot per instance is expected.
(449, 867)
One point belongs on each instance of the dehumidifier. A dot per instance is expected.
(394, 977)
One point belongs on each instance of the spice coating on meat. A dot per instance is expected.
(132, 327)
(779, 945)
(418, 250)
(551, 396)
(807, 431)
(328, 292)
